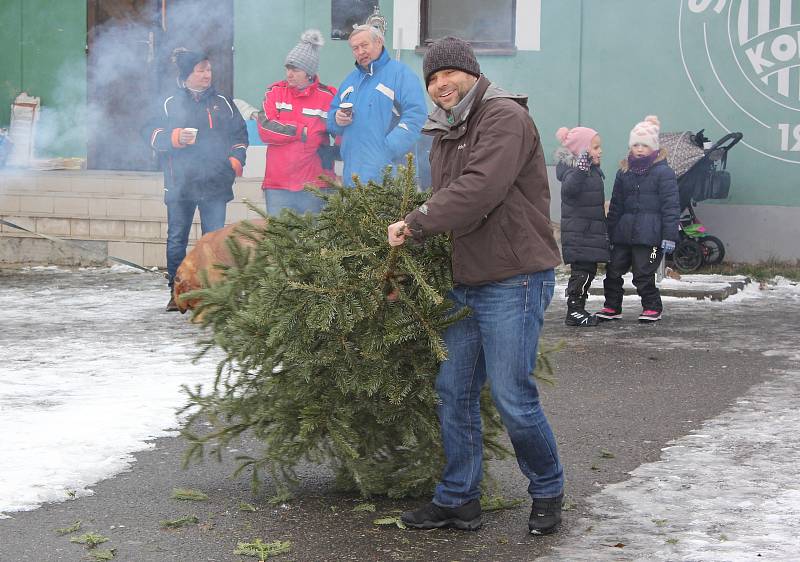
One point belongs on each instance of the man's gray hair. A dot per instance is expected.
(374, 31)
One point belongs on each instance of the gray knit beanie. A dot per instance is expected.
(305, 55)
(450, 52)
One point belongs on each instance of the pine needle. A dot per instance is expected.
(370, 507)
(496, 503)
(71, 529)
(262, 550)
(91, 540)
(396, 521)
(184, 521)
(187, 494)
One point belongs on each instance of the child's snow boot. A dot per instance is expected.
(577, 315)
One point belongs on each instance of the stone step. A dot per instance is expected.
(87, 182)
(90, 228)
(106, 208)
(96, 228)
(18, 250)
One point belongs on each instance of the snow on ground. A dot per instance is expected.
(90, 372)
(726, 492)
(91, 369)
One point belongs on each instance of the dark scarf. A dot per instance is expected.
(640, 166)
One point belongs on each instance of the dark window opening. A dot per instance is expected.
(486, 24)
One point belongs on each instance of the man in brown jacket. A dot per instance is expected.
(490, 191)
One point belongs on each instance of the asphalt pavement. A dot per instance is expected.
(623, 391)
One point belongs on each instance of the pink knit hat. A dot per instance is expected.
(646, 133)
(576, 140)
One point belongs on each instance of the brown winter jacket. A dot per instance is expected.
(490, 190)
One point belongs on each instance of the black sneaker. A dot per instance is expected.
(545, 515)
(466, 517)
(172, 306)
(580, 318)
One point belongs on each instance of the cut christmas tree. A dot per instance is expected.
(332, 342)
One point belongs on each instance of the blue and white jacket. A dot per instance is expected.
(388, 113)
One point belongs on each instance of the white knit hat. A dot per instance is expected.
(646, 133)
(305, 55)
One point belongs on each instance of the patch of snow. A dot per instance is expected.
(91, 369)
(727, 492)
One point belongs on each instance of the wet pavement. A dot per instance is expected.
(624, 392)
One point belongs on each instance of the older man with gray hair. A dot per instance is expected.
(379, 109)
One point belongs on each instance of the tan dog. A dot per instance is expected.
(211, 249)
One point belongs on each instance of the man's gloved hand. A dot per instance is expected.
(668, 246)
(584, 161)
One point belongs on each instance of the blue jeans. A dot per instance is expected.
(498, 341)
(179, 223)
(301, 201)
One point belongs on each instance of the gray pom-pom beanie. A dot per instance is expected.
(305, 55)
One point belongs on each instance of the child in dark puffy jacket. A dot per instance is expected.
(584, 240)
(642, 222)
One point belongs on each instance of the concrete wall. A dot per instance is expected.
(753, 233)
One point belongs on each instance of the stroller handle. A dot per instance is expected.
(726, 143)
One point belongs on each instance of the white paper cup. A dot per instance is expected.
(193, 132)
(346, 107)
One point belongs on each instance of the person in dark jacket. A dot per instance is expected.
(201, 140)
(642, 222)
(584, 239)
(490, 192)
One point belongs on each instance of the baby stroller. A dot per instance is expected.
(700, 169)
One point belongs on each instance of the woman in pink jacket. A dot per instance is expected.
(294, 127)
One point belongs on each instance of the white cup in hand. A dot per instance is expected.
(191, 135)
(344, 115)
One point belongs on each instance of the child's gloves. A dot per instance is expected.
(584, 161)
(668, 246)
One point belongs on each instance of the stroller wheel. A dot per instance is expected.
(713, 250)
(688, 255)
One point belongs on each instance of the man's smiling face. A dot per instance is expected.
(447, 87)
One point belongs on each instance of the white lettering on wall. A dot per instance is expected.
(785, 129)
(699, 6)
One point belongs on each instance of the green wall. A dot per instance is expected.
(641, 70)
(265, 31)
(42, 53)
(10, 55)
(601, 64)
(258, 63)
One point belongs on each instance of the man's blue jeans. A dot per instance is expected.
(300, 201)
(179, 223)
(498, 341)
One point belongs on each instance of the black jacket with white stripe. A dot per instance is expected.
(202, 170)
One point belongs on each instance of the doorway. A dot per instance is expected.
(130, 69)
